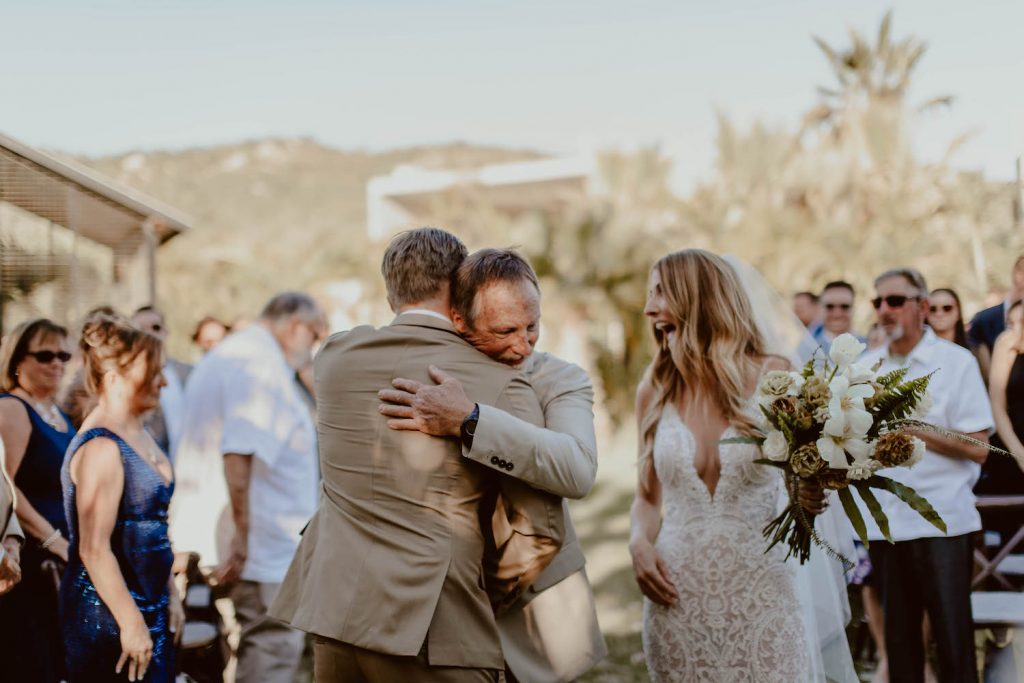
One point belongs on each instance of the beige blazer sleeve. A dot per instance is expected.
(560, 459)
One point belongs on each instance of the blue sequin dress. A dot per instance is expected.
(143, 551)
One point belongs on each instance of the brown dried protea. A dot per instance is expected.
(894, 448)
(807, 461)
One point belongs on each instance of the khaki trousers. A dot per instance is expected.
(337, 662)
(268, 650)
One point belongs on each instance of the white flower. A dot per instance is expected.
(858, 373)
(775, 446)
(919, 448)
(845, 349)
(821, 415)
(796, 385)
(847, 415)
(862, 470)
(923, 407)
(774, 384)
(834, 449)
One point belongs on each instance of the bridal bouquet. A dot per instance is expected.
(837, 424)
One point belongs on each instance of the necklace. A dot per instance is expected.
(50, 414)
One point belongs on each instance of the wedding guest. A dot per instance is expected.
(209, 332)
(36, 433)
(11, 536)
(805, 306)
(164, 423)
(120, 607)
(926, 570)
(75, 400)
(987, 325)
(945, 316)
(1001, 475)
(836, 302)
(247, 473)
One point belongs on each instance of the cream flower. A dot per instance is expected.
(861, 470)
(918, 455)
(859, 373)
(923, 407)
(845, 349)
(797, 384)
(834, 449)
(847, 415)
(775, 446)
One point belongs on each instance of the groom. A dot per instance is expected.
(388, 576)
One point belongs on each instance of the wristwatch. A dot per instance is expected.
(468, 429)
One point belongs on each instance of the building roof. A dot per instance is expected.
(82, 200)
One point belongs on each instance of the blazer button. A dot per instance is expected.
(494, 460)
(509, 466)
(502, 463)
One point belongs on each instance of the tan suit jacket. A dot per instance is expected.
(392, 559)
(551, 633)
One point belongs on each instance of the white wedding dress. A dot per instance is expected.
(738, 617)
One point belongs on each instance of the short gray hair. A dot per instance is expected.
(911, 275)
(290, 304)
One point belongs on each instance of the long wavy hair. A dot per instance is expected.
(718, 348)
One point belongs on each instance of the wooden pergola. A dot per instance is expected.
(52, 195)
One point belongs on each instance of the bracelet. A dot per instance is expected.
(51, 539)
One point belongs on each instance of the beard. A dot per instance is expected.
(895, 332)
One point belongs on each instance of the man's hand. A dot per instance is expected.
(231, 570)
(436, 410)
(10, 567)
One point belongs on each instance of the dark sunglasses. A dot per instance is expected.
(845, 307)
(892, 301)
(945, 308)
(45, 357)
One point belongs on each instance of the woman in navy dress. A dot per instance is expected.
(121, 612)
(36, 434)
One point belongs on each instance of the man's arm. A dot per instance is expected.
(238, 473)
(951, 447)
(560, 458)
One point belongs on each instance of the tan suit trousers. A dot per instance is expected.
(337, 662)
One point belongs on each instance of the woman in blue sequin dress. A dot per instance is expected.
(121, 613)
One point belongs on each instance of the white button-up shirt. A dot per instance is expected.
(243, 398)
(960, 404)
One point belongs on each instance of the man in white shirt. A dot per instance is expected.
(246, 473)
(926, 570)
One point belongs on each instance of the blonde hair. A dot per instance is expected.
(112, 343)
(718, 347)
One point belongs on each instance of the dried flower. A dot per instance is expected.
(815, 391)
(773, 385)
(894, 448)
(807, 461)
(833, 479)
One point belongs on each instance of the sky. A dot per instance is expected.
(567, 77)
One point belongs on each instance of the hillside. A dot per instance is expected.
(268, 215)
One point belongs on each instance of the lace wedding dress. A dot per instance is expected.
(737, 618)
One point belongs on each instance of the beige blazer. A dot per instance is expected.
(392, 559)
(551, 634)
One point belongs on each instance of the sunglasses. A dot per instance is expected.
(843, 307)
(45, 357)
(945, 308)
(892, 301)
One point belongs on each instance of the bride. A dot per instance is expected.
(718, 607)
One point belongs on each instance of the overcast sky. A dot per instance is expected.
(564, 77)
